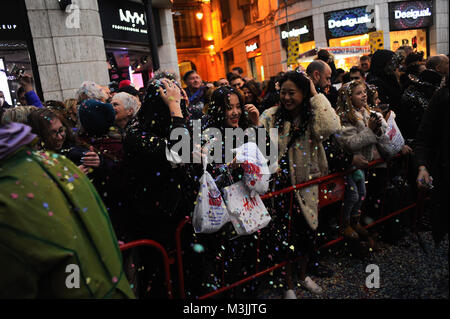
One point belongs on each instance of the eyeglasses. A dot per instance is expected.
(60, 131)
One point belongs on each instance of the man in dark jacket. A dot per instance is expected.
(195, 91)
(431, 148)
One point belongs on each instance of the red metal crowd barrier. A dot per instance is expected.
(165, 256)
(323, 201)
(330, 191)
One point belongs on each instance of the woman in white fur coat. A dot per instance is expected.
(304, 119)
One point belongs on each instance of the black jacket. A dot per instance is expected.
(431, 148)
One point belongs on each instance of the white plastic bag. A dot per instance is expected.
(210, 213)
(394, 134)
(256, 172)
(247, 213)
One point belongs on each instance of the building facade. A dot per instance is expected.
(97, 40)
(258, 35)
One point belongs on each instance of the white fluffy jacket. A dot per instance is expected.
(307, 153)
(359, 139)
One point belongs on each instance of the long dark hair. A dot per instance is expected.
(220, 102)
(154, 115)
(253, 87)
(282, 115)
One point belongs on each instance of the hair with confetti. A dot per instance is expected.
(345, 108)
(154, 114)
(220, 102)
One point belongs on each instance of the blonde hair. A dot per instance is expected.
(345, 108)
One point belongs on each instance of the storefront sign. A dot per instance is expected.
(348, 22)
(252, 47)
(410, 15)
(123, 21)
(302, 28)
(11, 25)
(354, 50)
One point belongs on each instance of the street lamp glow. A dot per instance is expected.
(199, 15)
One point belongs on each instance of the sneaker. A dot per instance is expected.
(311, 286)
(289, 294)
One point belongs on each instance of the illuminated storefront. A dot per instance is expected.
(253, 50)
(301, 30)
(349, 28)
(17, 56)
(124, 25)
(409, 23)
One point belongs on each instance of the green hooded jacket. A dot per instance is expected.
(56, 239)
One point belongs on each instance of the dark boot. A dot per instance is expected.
(347, 231)
(354, 222)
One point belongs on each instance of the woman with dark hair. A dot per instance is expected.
(271, 96)
(252, 94)
(160, 189)
(304, 120)
(55, 135)
(384, 75)
(227, 109)
(414, 65)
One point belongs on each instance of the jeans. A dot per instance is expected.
(355, 192)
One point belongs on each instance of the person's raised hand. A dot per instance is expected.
(253, 113)
(172, 97)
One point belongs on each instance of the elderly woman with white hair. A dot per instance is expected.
(90, 90)
(126, 107)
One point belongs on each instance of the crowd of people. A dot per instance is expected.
(82, 175)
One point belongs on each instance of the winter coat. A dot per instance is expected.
(382, 75)
(307, 158)
(413, 103)
(431, 149)
(52, 217)
(360, 139)
(160, 193)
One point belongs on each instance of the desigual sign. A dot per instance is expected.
(349, 22)
(410, 15)
(302, 28)
(252, 47)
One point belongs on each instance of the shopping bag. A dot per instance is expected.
(394, 134)
(256, 172)
(247, 213)
(210, 212)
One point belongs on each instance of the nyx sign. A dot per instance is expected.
(123, 21)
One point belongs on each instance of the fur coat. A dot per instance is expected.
(307, 158)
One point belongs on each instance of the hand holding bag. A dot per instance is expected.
(210, 213)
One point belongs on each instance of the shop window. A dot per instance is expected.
(228, 60)
(14, 62)
(415, 38)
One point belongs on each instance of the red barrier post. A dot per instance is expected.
(161, 249)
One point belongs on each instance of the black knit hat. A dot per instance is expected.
(96, 117)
